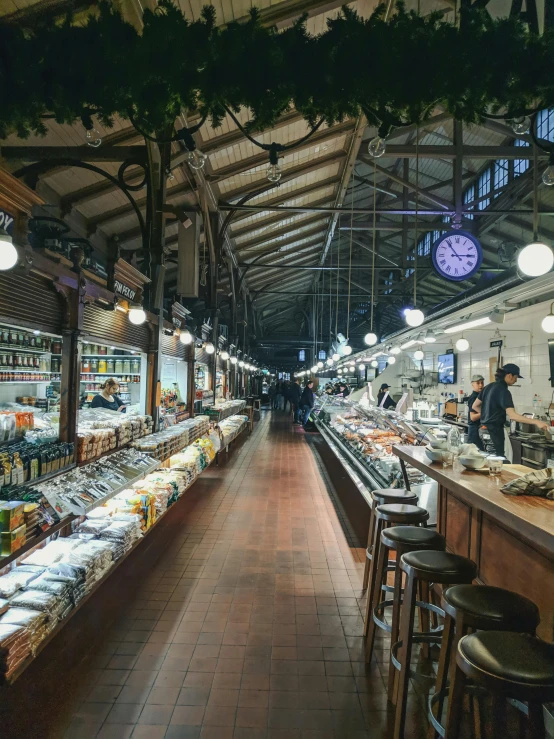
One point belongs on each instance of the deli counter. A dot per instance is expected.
(362, 437)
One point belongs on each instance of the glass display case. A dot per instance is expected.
(364, 437)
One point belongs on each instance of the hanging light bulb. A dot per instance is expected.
(521, 125)
(414, 317)
(336, 357)
(395, 350)
(225, 356)
(241, 363)
(429, 338)
(391, 360)
(314, 368)
(462, 345)
(320, 365)
(329, 362)
(169, 174)
(361, 367)
(93, 138)
(535, 259)
(547, 324)
(377, 147)
(137, 315)
(347, 350)
(548, 174)
(375, 364)
(186, 337)
(196, 159)
(274, 173)
(210, 348)
(370, 338)
(339, 372)
(419, 355)
(8, 252)
(234, 360)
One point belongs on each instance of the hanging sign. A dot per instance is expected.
(124, 290)
(495, 343)
(6, 221)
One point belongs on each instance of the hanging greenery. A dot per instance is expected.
(394, 71)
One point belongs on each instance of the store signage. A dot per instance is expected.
(124, 290)
(495, 343)
(6, 221)
(449, 351)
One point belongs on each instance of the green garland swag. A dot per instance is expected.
(395, 71)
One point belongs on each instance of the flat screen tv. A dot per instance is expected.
(447, 369)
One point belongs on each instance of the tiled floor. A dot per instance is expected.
(238, 617)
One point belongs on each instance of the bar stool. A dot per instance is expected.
(422, 568)
(400, 539)
(386, 516)
(508, 666)
(381, 497)
(469, 607)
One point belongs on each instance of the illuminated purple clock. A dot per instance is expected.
(457, 255)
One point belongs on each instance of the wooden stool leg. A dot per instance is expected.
(395, 629)
(442, 672)
(455, 703)
(405, 652)
(499, 715)
(379, 576)
(370, 535)
(372, 571)
(535, 723)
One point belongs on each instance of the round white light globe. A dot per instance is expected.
(347, 350)
(375, 363)
(241, 363)
(370, 339)
(547, 324)
(361, 367)
(419, 355)
(224, 355)
(535, 259)
(234, 360)
(329, 362)
(335, 357)
(320, 365)
(391, 360)
(395, 350)
(414, 317)
(137, 316)
(8, 253)
(462, 345)
(185, 337)
(210, 348)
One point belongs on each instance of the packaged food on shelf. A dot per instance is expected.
(14, 648)
(225, 408)
(231, 427)
(164, 444)
(100, 431)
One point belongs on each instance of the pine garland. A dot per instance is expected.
(395, 71)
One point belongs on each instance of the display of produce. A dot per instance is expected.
(165, 443)
(368, 435)
(100, 431)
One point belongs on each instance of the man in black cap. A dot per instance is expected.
(389, 402)
(474, 418)
(493, 403)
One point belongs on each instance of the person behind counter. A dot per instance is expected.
(389, 402)
(493, 403)
(474, 417)
(343, 390)
(107, 397)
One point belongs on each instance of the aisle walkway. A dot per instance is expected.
(241, 618)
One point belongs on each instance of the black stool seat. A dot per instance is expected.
(393, 495)
(517, 659)
(487, 605)
(412, 536)
(440, 567)
(401, 513)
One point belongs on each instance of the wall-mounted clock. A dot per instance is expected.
(457, 255)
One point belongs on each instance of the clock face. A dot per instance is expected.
(457, 255)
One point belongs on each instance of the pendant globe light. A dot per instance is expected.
(8, 252)
(137, 316)
(371, 338)
(414, 316)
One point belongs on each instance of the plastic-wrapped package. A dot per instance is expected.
(35, 623)
(53, 552)
(14, 581)
(36, 600)
(14, 648)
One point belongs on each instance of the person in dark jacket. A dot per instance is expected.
(286, 396)
(307, 400)
(344, 390)
(294, 394)
(389, 402)
(474, 418)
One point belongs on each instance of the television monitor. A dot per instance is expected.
(447, 369)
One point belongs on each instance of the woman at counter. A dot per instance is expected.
(388, 402)
(107, 398)
(494, 403)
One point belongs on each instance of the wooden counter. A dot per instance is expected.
(511, 538)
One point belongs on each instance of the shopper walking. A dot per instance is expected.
(474, 417)
(295, 393)
(271, 394)
(286, 397)
(307, 400)
(278, 395)
(494, 403)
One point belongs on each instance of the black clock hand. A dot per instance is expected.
(453, 251)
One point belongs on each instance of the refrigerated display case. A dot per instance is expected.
(362, 438)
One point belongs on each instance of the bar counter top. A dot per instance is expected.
(528, 516)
